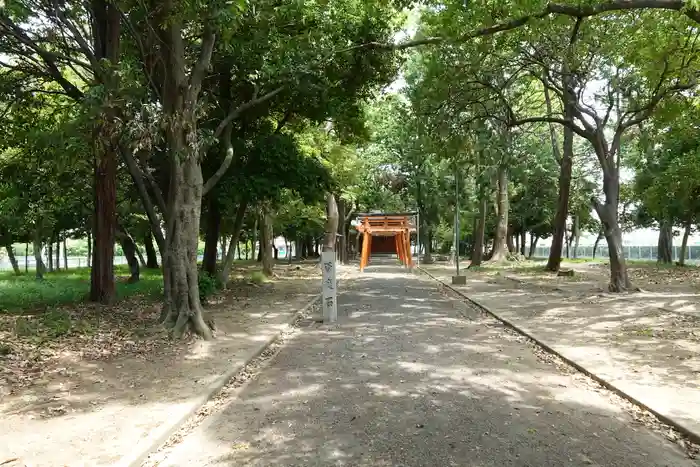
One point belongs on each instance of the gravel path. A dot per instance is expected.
(410, 377)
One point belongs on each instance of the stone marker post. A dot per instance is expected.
(330, 302)
(328, 285)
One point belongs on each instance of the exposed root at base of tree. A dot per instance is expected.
(639, 414)
(617, 288)
(181, 324)
(231, 390)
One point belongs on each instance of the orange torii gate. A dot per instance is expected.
(386, 225)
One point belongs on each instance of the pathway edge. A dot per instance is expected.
(166, 430)
(689, 433)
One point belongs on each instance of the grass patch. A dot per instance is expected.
(25, 294)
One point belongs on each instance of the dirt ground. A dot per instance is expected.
(95, 394)
(675, 289)
(648, 342)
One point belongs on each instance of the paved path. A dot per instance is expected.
(411, 378)
(650, 354)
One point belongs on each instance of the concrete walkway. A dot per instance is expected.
(409, 377)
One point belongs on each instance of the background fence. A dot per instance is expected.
(73, 262)
(634, 252)
(631, 252)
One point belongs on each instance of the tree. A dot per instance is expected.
(666, 168)
(632, 91)
(59, 57)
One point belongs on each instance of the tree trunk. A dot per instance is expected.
(50, 255)
(211, 236)
(684, 245)
(533, 245)
(106, 29)
(342, 241)
(509, 240)
(151, 256)
(235, 235)
(565, 169)
(181, 86)
(139, 255)
(665, 244)
(36, 245)
(595, 244)
(65, 254)
(238, 248)
(500, 248)
(516, 243)
(224, 240)
(266, 241)
(346, 234)
(102, 286)
(129, 248)
(428, 251)
(182, 305)
(478, 248)
(607, 213)
(254, 237)
(89, 249)
(332, 216)
(575, 236)
(26, 257)
(522, 242)
(555, 251)
(13, 259)
(58, 253)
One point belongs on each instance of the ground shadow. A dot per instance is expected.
(96, 400)
(411, 377)
(650, 352)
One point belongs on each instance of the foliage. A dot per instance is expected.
(208, 285)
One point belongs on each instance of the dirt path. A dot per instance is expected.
(651, 353)
(93, 402)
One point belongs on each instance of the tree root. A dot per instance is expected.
(180, 325)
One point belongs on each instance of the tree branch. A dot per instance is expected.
(568, 123)
(49, 59)
(137, 177)
(214, 179)
(351, 211)
(575, 11)
(203, 62)
(552, 131)
(235, 113)
(77, 36)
